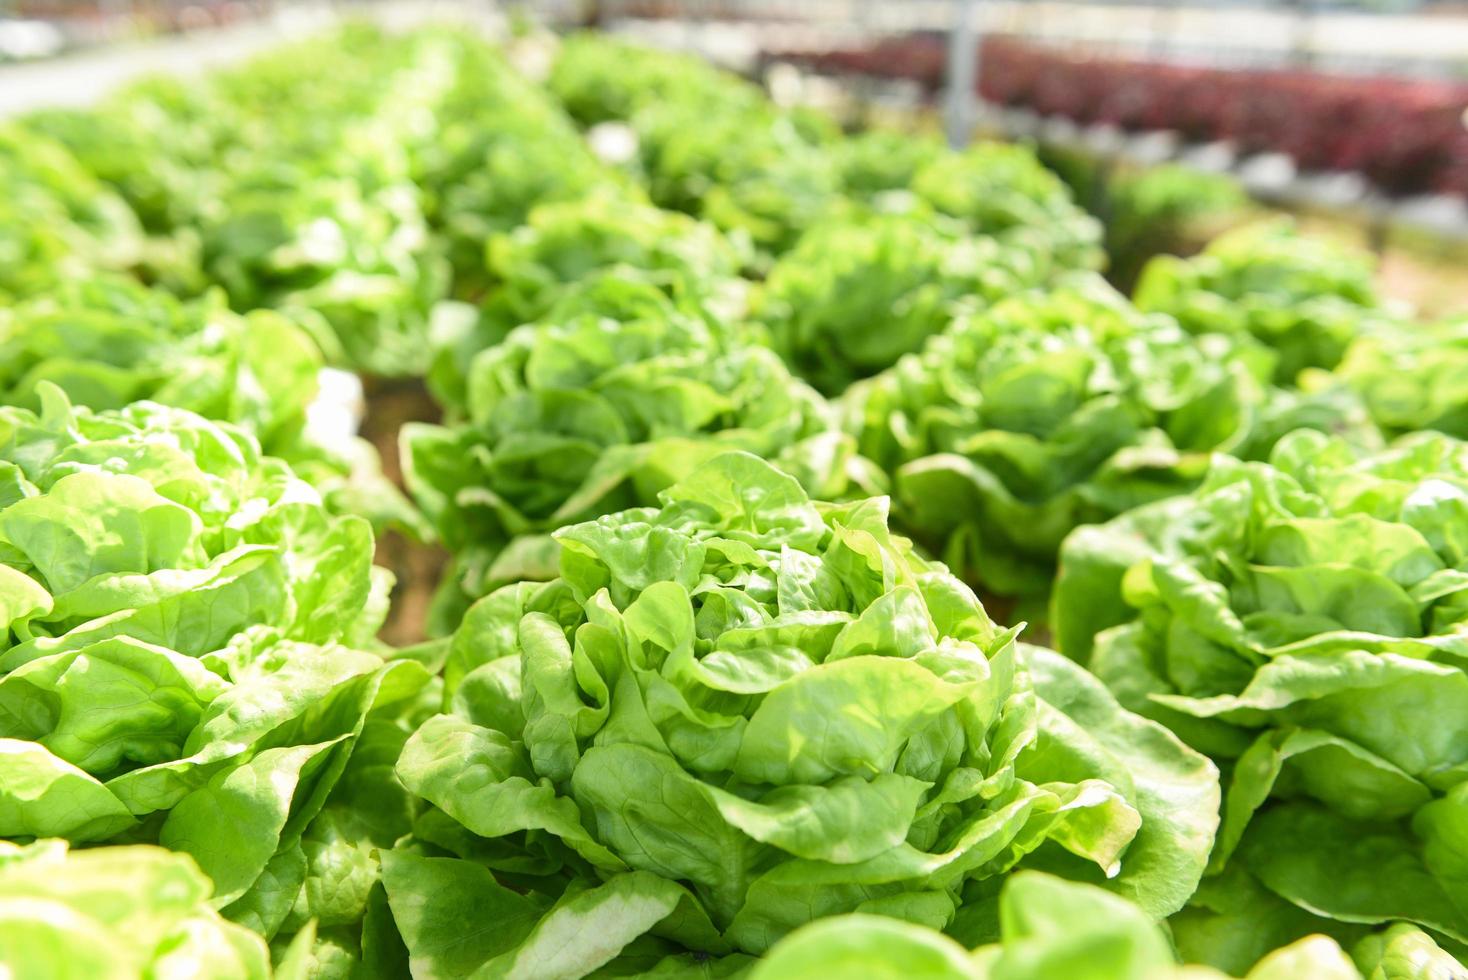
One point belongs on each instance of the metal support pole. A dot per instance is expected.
(963, 72)
(1302, 34)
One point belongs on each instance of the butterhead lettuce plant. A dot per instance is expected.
(184, 659)
(1299, 300)
(1003, 191)
(116, 912)
(109, 341)
(1410, 379)
(564, 248)
(617, 394)
(753, 171)
(566, 241)
(740, 711)
(859, 291)
(1301, 621)
(878, 160)
(42, 177)
(502, 145)
(1051, 410)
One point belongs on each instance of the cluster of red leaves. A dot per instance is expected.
(1406, 135)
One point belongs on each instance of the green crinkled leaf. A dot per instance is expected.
(481, 779)
(255, 798)
(452, 914)
(43, 796)
(116, 912)
(868, 945)
(1082, 728)
(1346, 870)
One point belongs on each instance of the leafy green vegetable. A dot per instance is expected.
(753, 171)
(594, 411)
(1001, 190)
(153, 142)
(551, 267)
(711, 144)
(109, 341)
(1411, 378)
(503, 146)
(1052, 928)
(313, 207)
(40, 170)
(598, 79)
(116, 912)
(172, 612)
(57, 222)
(1165, 210)
(360, 260)
(1051, 410)
(870, 946)
(878, 160)
(743, 711)
(563, 243)
(1302, 300)
(693, 723)
(1300, 621)
(859, 292)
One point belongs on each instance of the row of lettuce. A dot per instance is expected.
(697, 705)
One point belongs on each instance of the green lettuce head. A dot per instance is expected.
(1410, 379)
(1301, 621)
(741, 711)
(597, 409)
(319, 207)
(359, 257)
(752, 171)
(1053, 410)
(58, 223)
(40, 172)
(116, 912)
(859, 292)
(1002, 190)
(546, 267)
(1158, 210)
(1300, 300)
(42, 248)
(181, 624)
(564, 250)
(109, 341)
(503, 145)
(599, 78)
(153, 141)
(564, 242)
(879, 160)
